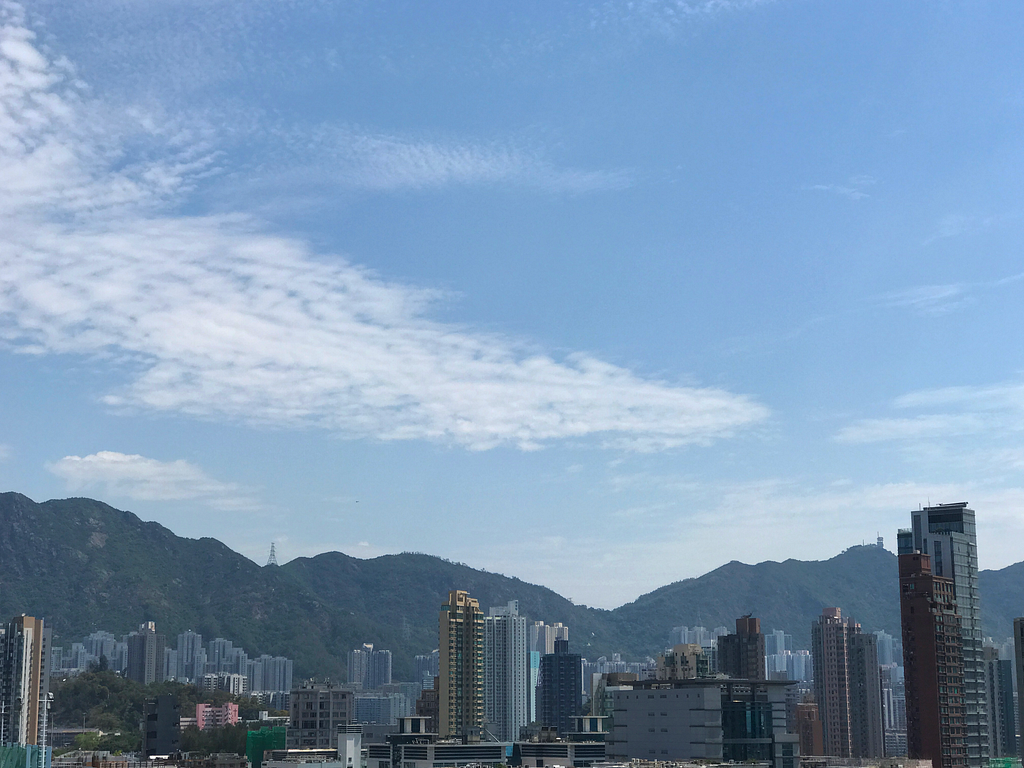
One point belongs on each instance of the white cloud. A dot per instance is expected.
(5, 452)
(142, 479)
(214, 318)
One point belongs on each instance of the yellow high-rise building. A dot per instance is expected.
(461, 673)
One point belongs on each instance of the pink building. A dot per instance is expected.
(209, 716)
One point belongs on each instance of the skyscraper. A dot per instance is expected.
(24, 681)
(543, 636)
(146, 655)
(369, 667)
(1002, 721)
(506, 672)
(742, 655)
(461, 661)
(933, 664)
(560, 694)
(947, 534)
(1018, 662)
(847, 686)
(191, 656)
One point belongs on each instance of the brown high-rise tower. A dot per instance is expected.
(934, 664)
(461, 678)
(742, 655)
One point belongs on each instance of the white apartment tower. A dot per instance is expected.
(507, 694)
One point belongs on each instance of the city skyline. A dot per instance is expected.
(632, 277)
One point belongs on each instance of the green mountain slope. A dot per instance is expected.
(863, 581)
(85, 566)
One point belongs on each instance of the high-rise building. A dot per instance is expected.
(933, 664)
(1018, 663)
(461, 662)
(506, 672)
(427, 667)
(847, 686)
(543, 636)
(270, 673)
(947, 534)
(369, 667)
(742, 655)
(1002, 720)
(191, 656)
(101, 644)
(866, 733)
(560, 694)
(777, 642)
(146, 655)
(24, 681)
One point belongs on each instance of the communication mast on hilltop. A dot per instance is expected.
(272, 560)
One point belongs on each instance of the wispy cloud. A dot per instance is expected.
(663, 18)
(916, 428)
(930, 299)
(349, 157)
(977, 427)
(215, 318)
(5, 452)
(854, 189)
(138, 478)
(935, 300)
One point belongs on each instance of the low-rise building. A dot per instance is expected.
(209, 716)
(715, 719)
(316, 711)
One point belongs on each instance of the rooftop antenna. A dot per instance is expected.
(272, 560)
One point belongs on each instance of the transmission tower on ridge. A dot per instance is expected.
(272, 560)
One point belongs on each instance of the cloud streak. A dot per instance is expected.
(143, 479)
(385, 163)
(213, 317)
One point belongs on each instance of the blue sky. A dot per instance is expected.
(598, 295)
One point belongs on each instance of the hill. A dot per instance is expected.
(85, 566)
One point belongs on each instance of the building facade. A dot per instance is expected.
(743, 655)
(24, 681)
(847, 686)
(1018, 663)
(543, 636)
(1002, 718)
(146, 655)
(560, 693)
(947, 534)
(369, 667)
(933, 664)
(315, 712)
(461, 662)
(161, 733)
(209, 716)
(507, 692)
(708, 719)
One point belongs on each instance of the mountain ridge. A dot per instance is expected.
(85, 565)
